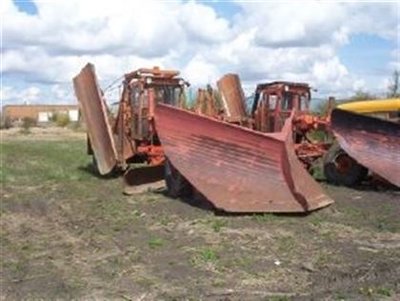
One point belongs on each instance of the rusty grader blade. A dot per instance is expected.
(237, 169)
(94, 112)
(372, 142)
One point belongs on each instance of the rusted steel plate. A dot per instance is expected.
(237, 169)
(232, 96)
(94, 112)
(372, 142)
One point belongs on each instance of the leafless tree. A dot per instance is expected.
(394, 89)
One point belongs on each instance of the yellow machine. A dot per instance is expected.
(372, 106)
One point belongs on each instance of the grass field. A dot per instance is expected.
(67, 234)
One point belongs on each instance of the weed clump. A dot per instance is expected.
(5, 123)
(61, 119)
(155, 243)
(27, 123)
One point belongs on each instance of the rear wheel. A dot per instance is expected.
(177, 184)
(341, 169)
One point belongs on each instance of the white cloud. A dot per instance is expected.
(379, 18)
(29, 95)
(200, 71)
(296, 23)
(116, 35)
(297, 40)
(106, 26)
(329, 71)
(359, 85)
(59, 92)
(395, 63)
(201, 23)
(312, 23)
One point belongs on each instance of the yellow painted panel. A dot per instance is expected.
(372, 106)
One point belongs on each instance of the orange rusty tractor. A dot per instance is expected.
(131, 136)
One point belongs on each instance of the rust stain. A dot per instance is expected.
(232, 97)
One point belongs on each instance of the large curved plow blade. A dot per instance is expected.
(237, 169)
(94, 112)
(372, 142)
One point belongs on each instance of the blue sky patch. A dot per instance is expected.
(223, 9)
(367, 54)
(26, 6)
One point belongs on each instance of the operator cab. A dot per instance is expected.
(144, 89)
(164, 86)
(274, 102)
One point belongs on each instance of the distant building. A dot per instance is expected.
(40, 113)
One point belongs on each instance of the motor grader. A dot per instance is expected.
(239, 162)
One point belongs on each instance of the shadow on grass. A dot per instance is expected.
(92, 170)
(196, 200)
(199, 201)
(370, 184)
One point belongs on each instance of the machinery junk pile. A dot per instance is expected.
(241, 162)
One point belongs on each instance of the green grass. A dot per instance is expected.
(277, 298)
(208, 255)
(374, 291)
(265, 217)
(204, 256)
(218, 224)
(242, 262)
(286, 244)
(63, 225)
(316, 219)
(384, 291)
(34, 162)
(155, 243)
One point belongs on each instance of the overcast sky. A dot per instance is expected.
(337, 47)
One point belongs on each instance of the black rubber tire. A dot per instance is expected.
(177, 185)
(353, 174)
